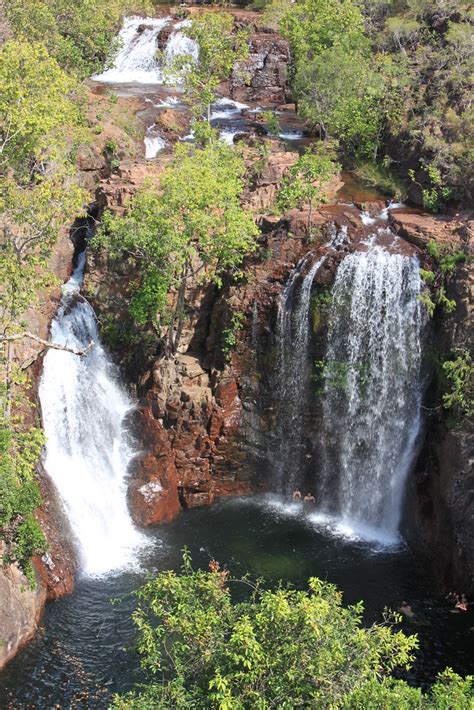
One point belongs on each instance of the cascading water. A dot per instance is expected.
(292, 372)
(372, 389)
(179, 43)
(87, 453)
(137, 62)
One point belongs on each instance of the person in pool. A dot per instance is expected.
(309, 498)
(406, 610)
(296, 495)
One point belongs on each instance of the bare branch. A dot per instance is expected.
(46, 343)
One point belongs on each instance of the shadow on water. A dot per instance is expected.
(85, 649)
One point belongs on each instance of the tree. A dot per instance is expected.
(341, 94)
(278, 648)
(38, 191)
(38, 120)
(306, 182)
(313, 26)
(192, 228)
(220, 47)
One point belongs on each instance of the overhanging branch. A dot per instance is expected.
(46, 343)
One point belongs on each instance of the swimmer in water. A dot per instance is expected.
(406, 610)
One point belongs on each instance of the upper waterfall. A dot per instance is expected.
(372, 388)
(137, 60)
(87, 452)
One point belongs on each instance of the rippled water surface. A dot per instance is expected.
(85, 648)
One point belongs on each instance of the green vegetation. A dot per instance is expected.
(391, 81)
(383, 177)
(446, 259)
(459, 372)
(320, 307)
(193, 227)
(271, 121)
(279, 648)
(79, 34)
(220, 46)
(20, 448)
(230, 334)
(306, 182)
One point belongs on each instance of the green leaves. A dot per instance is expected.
(280, 648)
(193, 228)
(459, 374)
(35, 107)
(20, 448)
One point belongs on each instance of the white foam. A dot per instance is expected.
(291, 135)
(136, 62)
(153, 143)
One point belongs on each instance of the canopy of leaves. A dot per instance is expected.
(193, 227)
(279, 648)
(35, 104)
(38, 119)
(80, 34)
(391, 81)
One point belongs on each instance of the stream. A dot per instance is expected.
(85, 648)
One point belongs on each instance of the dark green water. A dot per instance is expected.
(85, 648)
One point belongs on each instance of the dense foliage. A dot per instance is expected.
(80, 34)
(278, 648)
(192, 227)
(20, 447)
(392, 80)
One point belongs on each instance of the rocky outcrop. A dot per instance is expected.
(419, 228)
(20, 609)
(263, 78)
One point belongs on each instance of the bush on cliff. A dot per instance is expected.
(279, 648)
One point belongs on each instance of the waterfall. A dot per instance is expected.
(371, 388)
(179, 43)
(87, 452)
(153, 142)
(137, 61)
(292, 373)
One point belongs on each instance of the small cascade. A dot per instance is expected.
(292, 373)
(153, 142)
(87, 450)
(137, 61)
(179, 43)
(371, 389)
